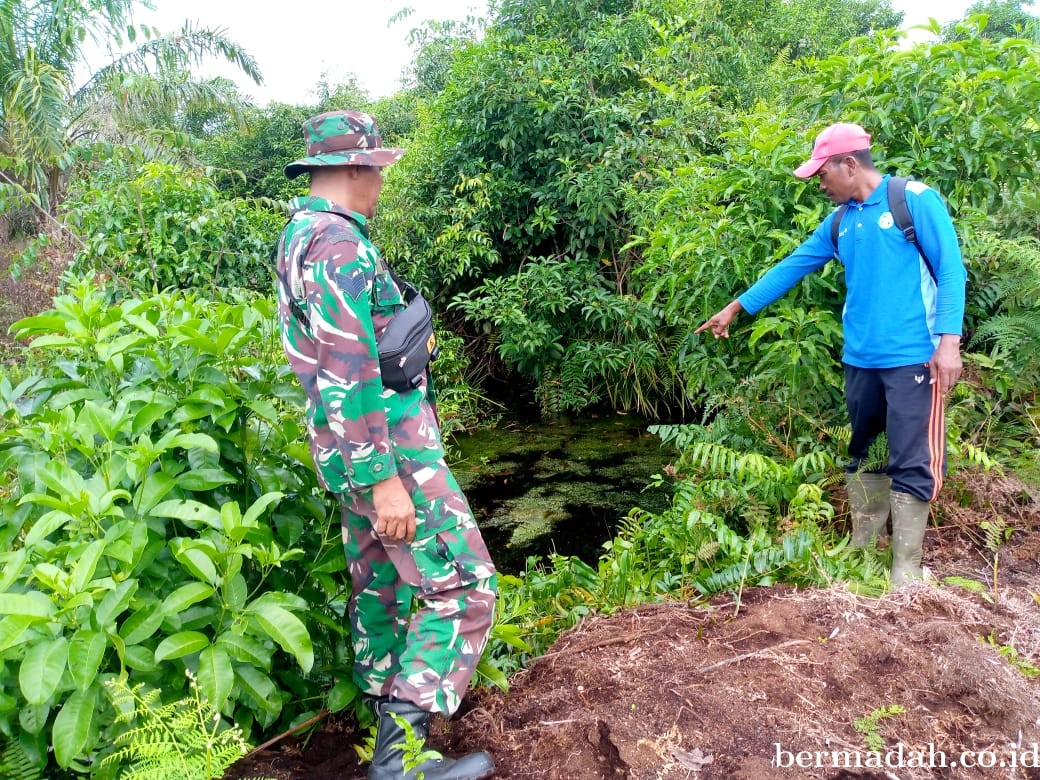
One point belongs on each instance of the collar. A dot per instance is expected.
(880, 192)
(312, 203)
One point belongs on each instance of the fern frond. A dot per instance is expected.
(181, 740)
(731, 578)
(1009, 332)
(974, 455)
(842, 435)
(719, 460)
(15, 764)
(812, 463)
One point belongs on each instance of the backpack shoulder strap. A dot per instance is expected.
(901, 215)
(836, 225)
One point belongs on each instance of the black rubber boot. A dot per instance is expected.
(391, 737)
(374, 702)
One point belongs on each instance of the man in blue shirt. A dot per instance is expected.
(902, 322)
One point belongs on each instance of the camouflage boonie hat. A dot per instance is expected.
(342, 138)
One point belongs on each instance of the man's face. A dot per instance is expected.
(836, 179)
(368, 183)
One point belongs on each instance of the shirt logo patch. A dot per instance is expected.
(886, 221)
(352, 284)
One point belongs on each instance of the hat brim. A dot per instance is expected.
(380, 158)
(809, 168)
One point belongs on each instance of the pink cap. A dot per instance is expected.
(839, 138)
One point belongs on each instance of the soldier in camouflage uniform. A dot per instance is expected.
(408, 533)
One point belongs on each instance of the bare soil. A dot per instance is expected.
(31, 293)
(715, 690)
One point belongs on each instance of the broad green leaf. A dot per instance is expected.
(45, 526)
(87, 564)
(193, 411)
(33, 717)
(139, 657)
(495, 675)
(264, 409)
(258, 507)
(259, 686)
(235, 591)
(138, 321)
(142, 623)
(11, 564)
(185, 596)
(342, 695)
(148, 414)
(511, 635)
(32, 604)
(48, 323)
(189, 441)
(114, 604)
(191, 513)
(42, 668)
(287, 630)
(53, 341)
(180, 644)
(72, 726)
(197, 562)
(13, 630)
(69, 397)
(204, 479)
(216, 675)
(86, 651)
(231, 517)
(102, 419)
(152, 490)
(245, 648)
(301, 453)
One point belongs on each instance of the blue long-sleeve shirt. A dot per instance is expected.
(894, 311)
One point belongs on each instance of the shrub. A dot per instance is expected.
(157, 226)
(162, 516)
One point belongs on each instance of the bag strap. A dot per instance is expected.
(900, 213)
(836, 226)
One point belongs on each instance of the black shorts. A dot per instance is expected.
(904, 404)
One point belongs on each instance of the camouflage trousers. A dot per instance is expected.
(420, 612)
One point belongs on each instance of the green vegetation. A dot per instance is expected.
(1012, 656)
(869, 725)
(586, 182)
(49, 124)
(152, 226)
(178, 741)
(163, 494)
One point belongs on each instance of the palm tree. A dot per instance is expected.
(46, 122)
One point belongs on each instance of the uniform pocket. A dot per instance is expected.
(386, 296)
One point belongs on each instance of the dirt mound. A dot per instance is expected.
(664, 691)
(933, 677)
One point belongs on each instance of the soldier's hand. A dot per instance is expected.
(395, 512)
(719, 323)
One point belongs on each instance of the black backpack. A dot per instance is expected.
(900, 212)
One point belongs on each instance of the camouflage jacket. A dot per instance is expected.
(361, 433)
